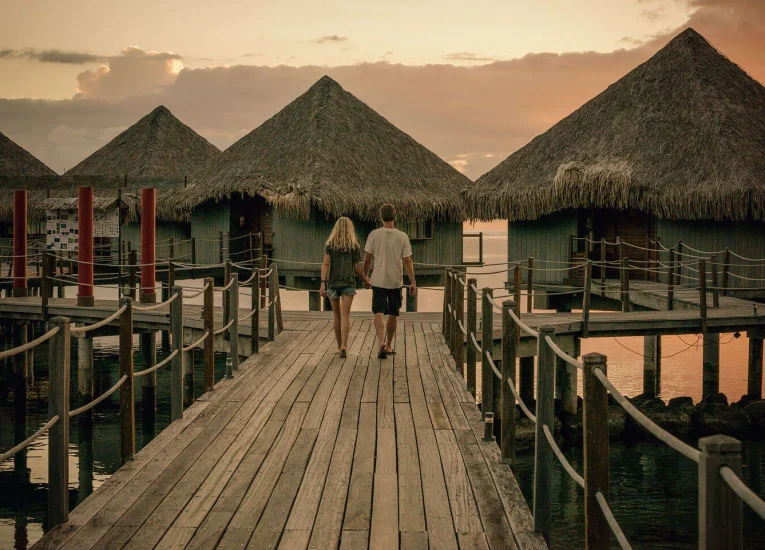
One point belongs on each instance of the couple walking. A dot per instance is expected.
(389, 248)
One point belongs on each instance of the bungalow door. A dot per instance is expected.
(635, 230)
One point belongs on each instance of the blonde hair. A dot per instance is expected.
(343, 236)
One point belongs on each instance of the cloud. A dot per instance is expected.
(652, 14)
(330, 39)
(52, 56)
(252, 55)
(466, 56)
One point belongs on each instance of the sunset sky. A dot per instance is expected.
(471, 81)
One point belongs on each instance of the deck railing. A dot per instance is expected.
(721, 491)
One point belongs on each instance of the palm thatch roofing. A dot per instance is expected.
(69, 203)
(682, 136)
(157, 145)
(17, 161)
(331, 151)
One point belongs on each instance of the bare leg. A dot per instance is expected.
(380, 328)
(345, 312)
(391, 331)
(336, 314)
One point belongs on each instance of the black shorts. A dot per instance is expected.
(386, 300)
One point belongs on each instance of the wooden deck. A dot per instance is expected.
(304, 449)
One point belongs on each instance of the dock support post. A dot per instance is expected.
(176, 374)
(148, 244)
(711, 368)
(603, 256)
(569, 402)
(226, 295)
(703, 294)
(20, 371)
(233, 332)
(725, 271)
(411, 301)
(188, 377)
(721, 524)
(264, 279)
(58, 438)
(545, 418)
(167, 292)
(586, 298)
(526, 380)
(508, 373)
(20, 243)
(625, 291)
(85, 376)
(314, 301)
(255, 319)
(273, 282)
(148, 341)
(455, 314)
(209, 327)
(715, 288)
(671, 280)
(445, 312)
(597, 531)
(487, 344)
(133, 269)
(127, 395)
(651, 365)
(472, 321)
(85, 247)
(459, 350)
(448, 281)
(530, 286)
(754, 380)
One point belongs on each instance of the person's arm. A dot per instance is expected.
(324, 275)
(409, 267)
(367, 263)
(360, 272)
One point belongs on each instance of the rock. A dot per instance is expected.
(756, 411)
(710, 417)
(645, 402)
(525, 435)
(573, 430)
(681, 403)
(719, 398)
(746, 400)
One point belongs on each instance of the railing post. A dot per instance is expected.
(720, 509)
(597, 532)
(715, 289)
(459, 351)
(586, 298)
(625, 285)
(603, 256)
(529, 286)
(487, 345)
(472, 321)
(703, 294)
(176, 375)
(133, 270)
(480, 247)
(209, 327)
(272, 283)
(517, 288)
(220, 247)
(545, 417)
(127, 394)
(454, 326)
(233, 332)
(193, 254)
(279, 320)
(45, 285)
(255, 319)
(725, 270)
(226, 295)
(671, 280)
(447, 303)
(570, 256)
(58, 437)
(508, 373)
(264, 279)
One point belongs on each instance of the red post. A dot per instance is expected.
(85, 250)
(20, 243)
(148, 242)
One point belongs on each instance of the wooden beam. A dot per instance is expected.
(37, 183)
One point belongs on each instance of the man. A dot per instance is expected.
(389, 248)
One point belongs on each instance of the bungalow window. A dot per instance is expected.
(420, 229)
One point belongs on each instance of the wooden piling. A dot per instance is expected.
(721, 524)
(517, 290)
(85, 375)
(508, 373)
(233, 332)
(226, 295)
(45, 284)
(754, 379)
(651, 364)
(459, 302)
(133, 271)
(487, 345)
(20, 370)
(529, 286)
(543, 456)
(58, 437)
(279, 318)
(472, 328)
(625, 292)
(671, 280)
(725, 271)
(596, 463)
(264, 279)
(411, 301)
(711, 364)
(703, 294)
(221, 256)
(445, 312)
(209, 327)
(255, 319)
(586, 298)
(603, 260)
(127, 396)
(176, 375)
(188, 378)
(715, 288)
(272, 284)
(526, 379)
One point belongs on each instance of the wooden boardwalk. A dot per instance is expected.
(302, 449)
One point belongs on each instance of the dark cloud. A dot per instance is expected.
(52, 56)
(466, 56)
(330, 39)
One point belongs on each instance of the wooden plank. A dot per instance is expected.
(295, 539)
(473, 541)
(354, 540)
(350, 416)
(358, 509)
(414, 540)
(400, 389)
(176, 537)
(438, 416)
(384, 530)
(419, 407)
(464, 511)
(410, 507)
(449, 398)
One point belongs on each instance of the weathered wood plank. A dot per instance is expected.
(359, 506)
(441, 532)
(410, 507)
(464, 511)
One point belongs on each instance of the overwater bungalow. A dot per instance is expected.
(157, 145)
(17, 161)
(674, 151)
(325, 155)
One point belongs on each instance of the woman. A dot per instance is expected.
(342, 258)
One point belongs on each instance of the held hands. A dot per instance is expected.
(413, 289)
(367, 284)
(323, 290)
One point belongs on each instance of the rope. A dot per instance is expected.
(156, 306)
(195, 294)
(251, 278)
(462, 327)
(744, 492)
(267, 274)
(612, 523)
(225, 288)
(224, 329)
(523, 325)
(493, 365)
(475, 342)
(562, 354)
(250, 314)
(267, 306)
(682, 448)
(562, 459)
(101, 323)
(29, 345)
(24, 444)
(195, 344)
(157, 366)
(103, 396)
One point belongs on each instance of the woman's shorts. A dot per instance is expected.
(335, 293)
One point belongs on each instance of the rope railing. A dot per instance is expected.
(744, 493)
(612, 523)
(197, 343)
(561, 458)
(248, 315)
(28, 441)
(562, 354)
(29, 345)
(156, 306)
(100, 398)
(224, 328)
(196, 294)
(102, 323)
(158, 366)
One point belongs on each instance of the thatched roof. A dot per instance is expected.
(157, 145)
(682, 136)
(329, 150)
(68, 203)
(17, 161)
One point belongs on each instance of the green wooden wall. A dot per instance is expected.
(207, 221)
(542, 239)
(179, 231)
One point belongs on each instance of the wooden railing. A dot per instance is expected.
(721, 491)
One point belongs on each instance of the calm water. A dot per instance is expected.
(653, 489)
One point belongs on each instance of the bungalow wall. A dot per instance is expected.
(208, 220)
(179, 231)
(544, 239)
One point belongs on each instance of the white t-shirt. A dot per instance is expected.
(389, 247)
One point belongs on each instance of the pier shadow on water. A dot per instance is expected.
(94, 449)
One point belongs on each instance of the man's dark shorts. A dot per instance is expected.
(386, 300)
